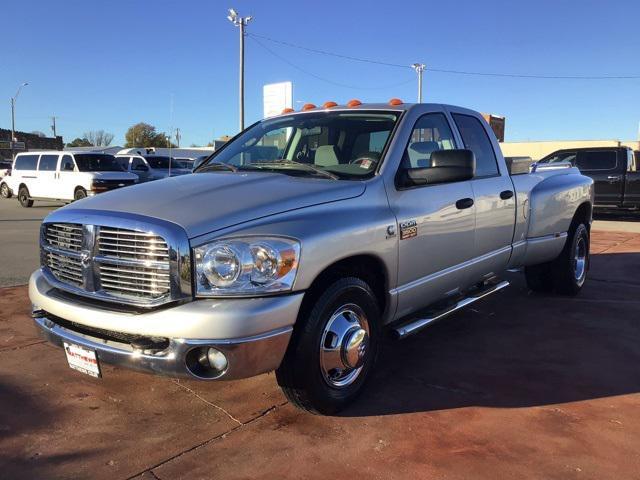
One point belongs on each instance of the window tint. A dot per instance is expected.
(558, 157)
(597, 160)
(475, 138)
(138, 164)
(66, 164)
(48, 163)
(123, 162)
(26, 162)
(430, 133)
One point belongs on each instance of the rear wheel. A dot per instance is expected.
(332, 350)
(23, 197)
(79, 194)
(5, 192)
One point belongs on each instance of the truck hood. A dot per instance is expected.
(113, 175)
(205, 202)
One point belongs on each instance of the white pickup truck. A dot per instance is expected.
(299, 242)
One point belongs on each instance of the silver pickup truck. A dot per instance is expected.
(300, 242)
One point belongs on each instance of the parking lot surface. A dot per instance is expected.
(518, 386)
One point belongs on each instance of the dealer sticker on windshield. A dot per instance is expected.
(82, 359)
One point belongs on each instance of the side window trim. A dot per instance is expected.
(454, 137)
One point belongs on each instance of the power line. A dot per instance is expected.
(307, 72)
(449, 71)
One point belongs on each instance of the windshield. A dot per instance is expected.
(340, 145)
(163, 162)
(97, 162)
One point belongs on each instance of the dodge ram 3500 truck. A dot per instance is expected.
(294, 246)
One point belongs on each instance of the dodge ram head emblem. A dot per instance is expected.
(85, 259)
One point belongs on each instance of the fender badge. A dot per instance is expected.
(408, 229)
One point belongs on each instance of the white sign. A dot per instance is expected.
(277, 97)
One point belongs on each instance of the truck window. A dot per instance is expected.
(48, 163)
(26, 162)
(558, 157)
(597, 160)
(430, 133)
(475, 138)
(123, 162)
(66, 164)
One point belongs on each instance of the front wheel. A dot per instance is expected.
(333, 349)
(79, 194)
(5, 192)
(23, 197)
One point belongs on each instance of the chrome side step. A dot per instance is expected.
(403, 331)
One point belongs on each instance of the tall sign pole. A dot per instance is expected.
(241, 23)
(13, 117)
(419, 68)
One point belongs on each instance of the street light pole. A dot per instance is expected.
(13, 117)
(419, 68)
(240, 22)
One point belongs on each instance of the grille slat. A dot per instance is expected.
(129, 264)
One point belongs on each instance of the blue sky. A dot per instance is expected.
(107, 65)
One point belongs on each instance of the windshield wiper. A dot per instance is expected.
(218, 166)
(292, 163)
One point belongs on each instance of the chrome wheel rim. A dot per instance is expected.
(580, 260)
(344, 346)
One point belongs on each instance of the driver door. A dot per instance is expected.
(436, 222)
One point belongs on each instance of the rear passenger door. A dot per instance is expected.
(44, 186)
(494, 197)
(607, 173)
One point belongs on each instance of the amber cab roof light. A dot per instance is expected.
(287, 110)
(308, 106)
(395, 101)
(329, 104)
(354, 103)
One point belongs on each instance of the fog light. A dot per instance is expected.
(217, 359)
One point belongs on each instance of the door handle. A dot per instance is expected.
(613, 178)
(506, 195)
(464, 203)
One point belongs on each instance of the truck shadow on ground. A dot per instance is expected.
(23, 415)
(518, 349)
(617, 215)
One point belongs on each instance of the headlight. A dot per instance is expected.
(246, 266)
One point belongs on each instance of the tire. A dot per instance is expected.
(23, 197)
(79, 194)
(5, 191)
(571, 267)
(567, 273)
(346, 314)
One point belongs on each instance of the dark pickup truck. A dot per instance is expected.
(614, 170)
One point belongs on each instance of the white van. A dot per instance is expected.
(54, 175)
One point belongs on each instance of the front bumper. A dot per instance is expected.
(252, 333)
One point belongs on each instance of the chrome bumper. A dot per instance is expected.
(246, 357)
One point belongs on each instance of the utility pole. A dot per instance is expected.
(53, 126)
(13, 117)
(240, 22)
(178, 137)
(419, 68)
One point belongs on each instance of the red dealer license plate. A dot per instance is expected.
(82, 359)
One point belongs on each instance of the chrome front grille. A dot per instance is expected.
(111, 263)
(67, 236)
(64, 268)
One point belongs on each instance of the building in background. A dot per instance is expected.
(31, 141)
(276, 97)
(497, 124)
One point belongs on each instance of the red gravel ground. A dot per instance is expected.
(519, 386)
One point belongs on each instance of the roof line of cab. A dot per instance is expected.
(395, 104)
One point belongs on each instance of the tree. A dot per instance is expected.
(79, 142)
(145, 135)
(99, 138)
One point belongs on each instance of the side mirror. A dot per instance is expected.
(446, 166)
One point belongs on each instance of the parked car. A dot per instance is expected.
(613, 169)
(54, 175)
(5, 171)
(151, 167)
(370, 218)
